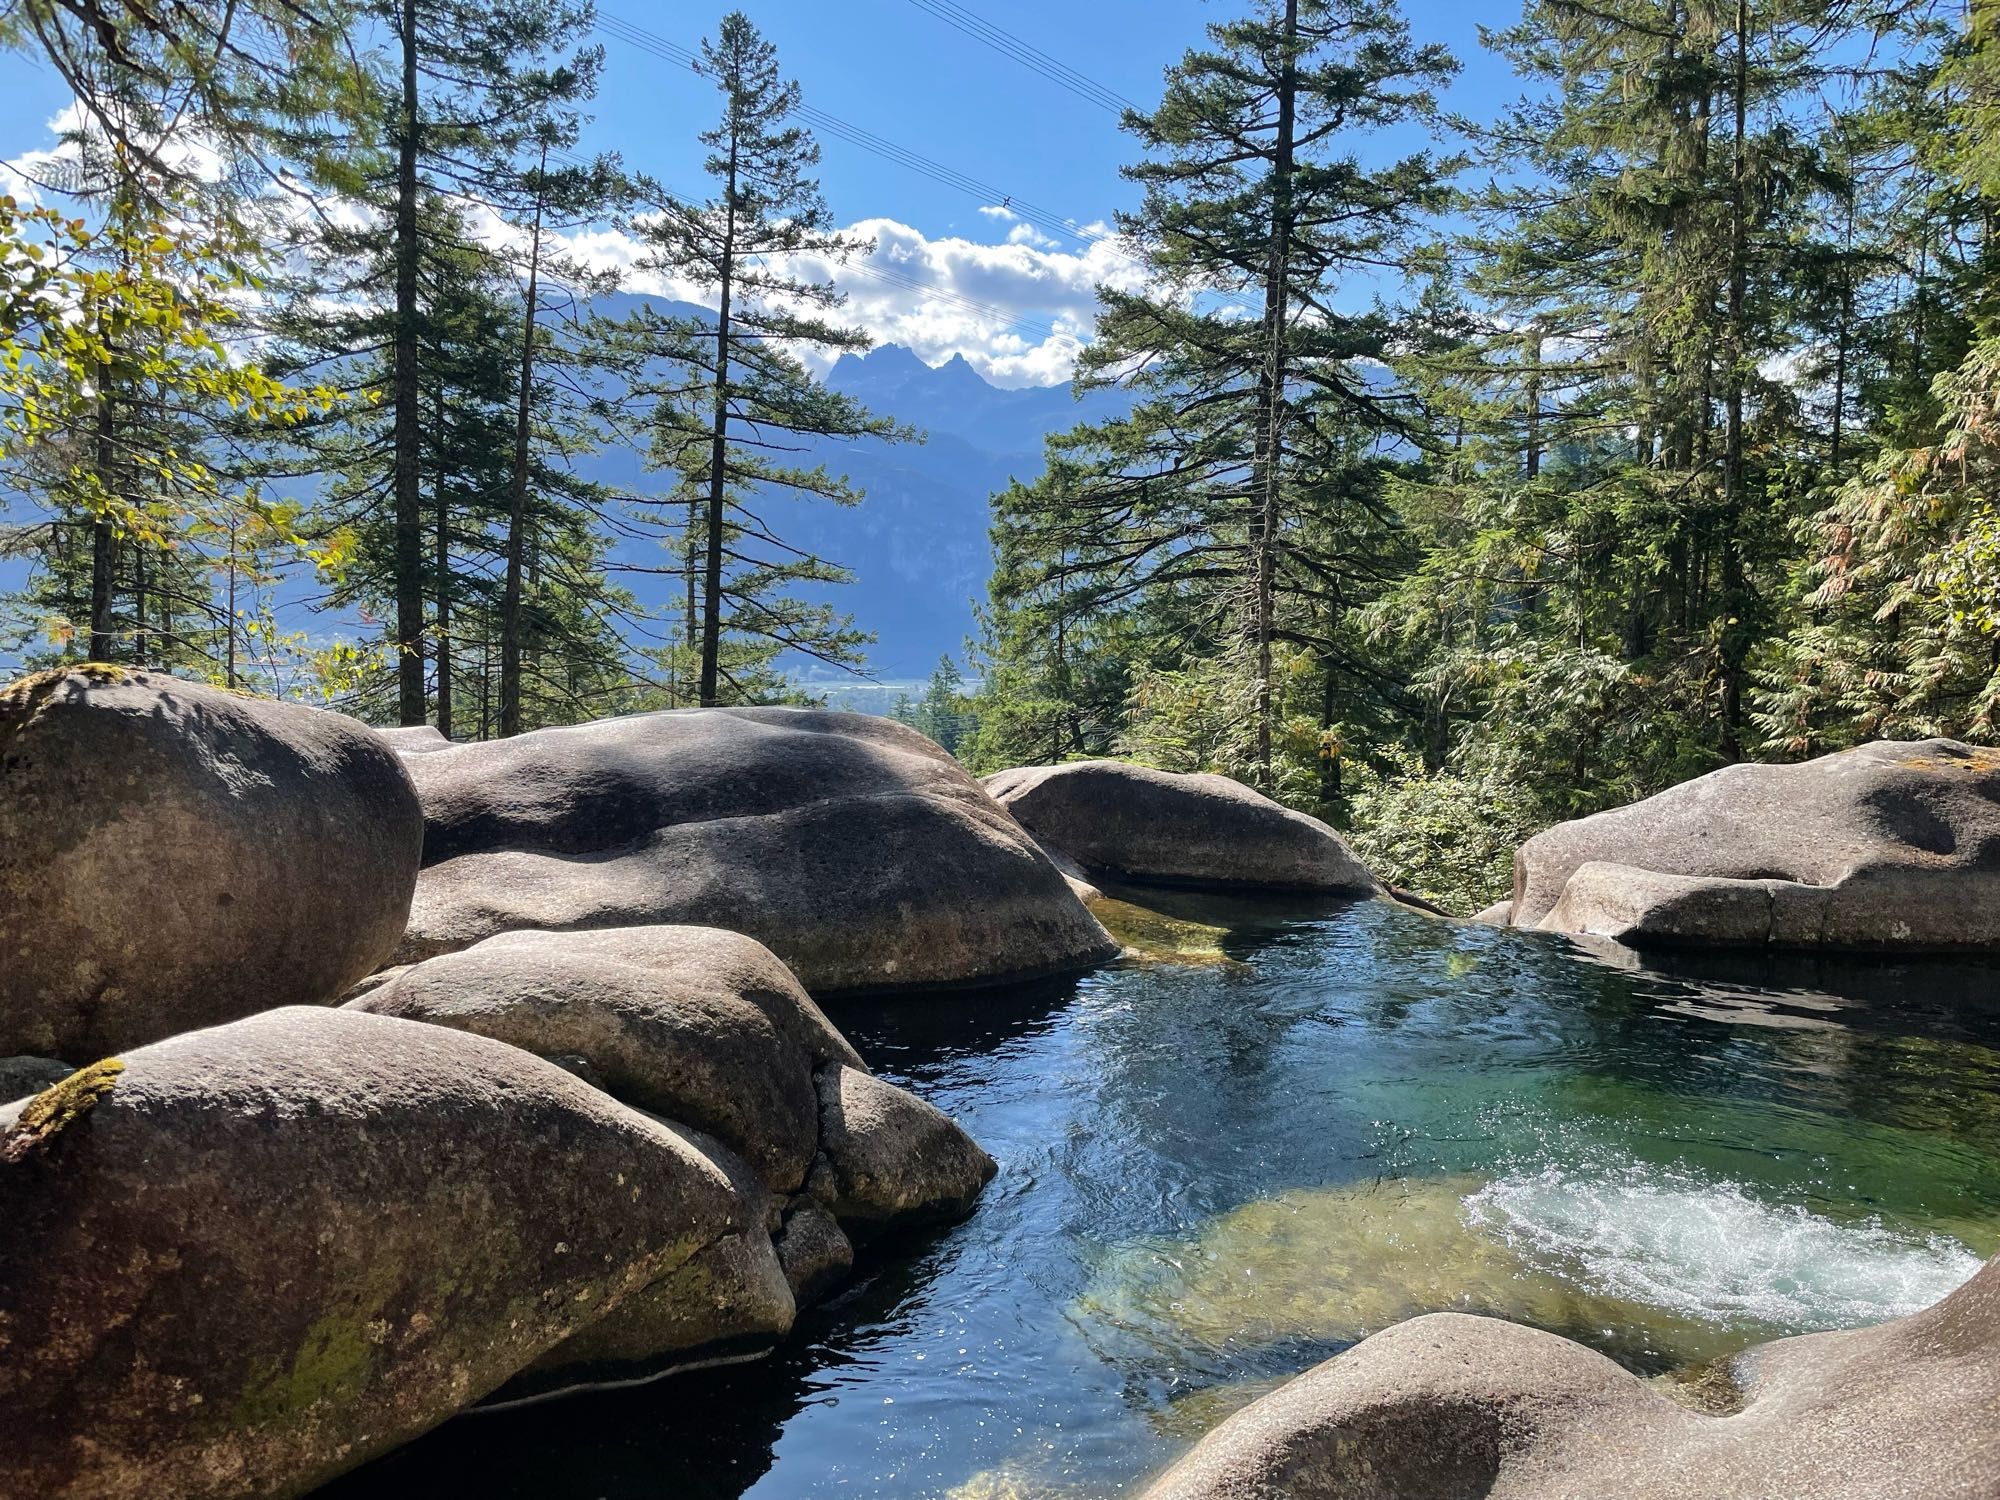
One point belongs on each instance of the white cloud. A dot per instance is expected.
(1018, 311)
(28, 175)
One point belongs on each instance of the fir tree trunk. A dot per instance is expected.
(1271, 393)
(517, 495)
(141, 643)
(104, 543)
(408, 566)
(1734, 604)
(718, 457)
(1531, 458)
(443, 568)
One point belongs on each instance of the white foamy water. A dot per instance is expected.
(1704, 1248)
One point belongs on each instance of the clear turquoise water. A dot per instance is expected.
(1214, 1176)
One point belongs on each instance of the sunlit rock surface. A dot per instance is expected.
(1894, 845)
(1181, 828)
(173, 856)
(243, 1260)
(703, 1026)
(851, 846)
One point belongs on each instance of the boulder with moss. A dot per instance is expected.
(1891, 846)
(173, 856)
(243, 1260)
(1451, 1405)
(1177, 828)
(858, 851)
(708, 1031)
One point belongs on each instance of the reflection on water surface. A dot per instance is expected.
(1217, 1174)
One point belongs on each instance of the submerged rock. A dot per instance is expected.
(241, 1261)
(1895, 845)
(172, 855)
(1177, 828)
(1329, 1266)
(853, 847)
(1456, 1405)
(703, 1026)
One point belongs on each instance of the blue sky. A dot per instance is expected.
(894, 68)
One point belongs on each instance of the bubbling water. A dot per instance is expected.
(1706, 1249)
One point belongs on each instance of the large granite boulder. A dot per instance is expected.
(1456, 1406)
(1177, 828)
(853, 847)
(694, 1023)
(1894, 845)
(240, 1261)
(172, 855)
(707, 1030)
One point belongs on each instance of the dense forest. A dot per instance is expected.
(1470, 474)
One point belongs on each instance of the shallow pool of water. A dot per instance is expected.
(1216, 1174)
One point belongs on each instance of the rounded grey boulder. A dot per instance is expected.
(241, 1261)
(415, 739)
(1891, 846)
(172, 856)
(694, 1023)
(890, 1158)
(853, 847)
(1177, 828)
(1451, 1405)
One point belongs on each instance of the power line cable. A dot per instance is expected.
(1027, 54)
(985, 193)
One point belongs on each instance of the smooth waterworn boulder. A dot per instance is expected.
(1177, 828)
(853, 847)
(1450, 1406)
(240, 1261)
(415, 739)
(1894, 845)
(694, 1023)
(172, 856)
(729, 1298)
(890, 1158)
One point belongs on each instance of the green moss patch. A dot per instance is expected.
(58, 1107)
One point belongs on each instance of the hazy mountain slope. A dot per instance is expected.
(918, 543)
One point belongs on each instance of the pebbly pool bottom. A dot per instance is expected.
(1216, 1174)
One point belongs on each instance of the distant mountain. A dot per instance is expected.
(918, 543)
(954, 398)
